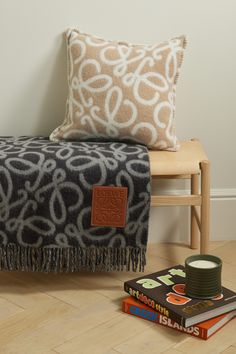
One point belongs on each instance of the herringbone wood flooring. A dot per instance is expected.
(81, 313)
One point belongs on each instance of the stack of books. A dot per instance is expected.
(160, 297)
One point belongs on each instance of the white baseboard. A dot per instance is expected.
(171, 224)
(229, 193)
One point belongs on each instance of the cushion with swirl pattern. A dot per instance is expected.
(121, 91)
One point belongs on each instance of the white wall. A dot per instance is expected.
(33, 77)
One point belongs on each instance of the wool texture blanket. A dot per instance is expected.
(46, 193)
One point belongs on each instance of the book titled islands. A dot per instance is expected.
(202, 330)
(163, 291)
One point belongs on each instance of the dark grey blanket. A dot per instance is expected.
(45, 205)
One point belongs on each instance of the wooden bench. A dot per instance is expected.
(190, 162)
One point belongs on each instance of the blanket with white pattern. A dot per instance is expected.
(45, 205)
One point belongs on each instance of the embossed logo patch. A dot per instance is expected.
(109, 206)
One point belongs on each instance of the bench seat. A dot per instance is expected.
(190, 162)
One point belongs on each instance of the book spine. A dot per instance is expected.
(153, 316)
(154, 305)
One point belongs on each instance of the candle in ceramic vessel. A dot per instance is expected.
(203, 264)
(203, 276)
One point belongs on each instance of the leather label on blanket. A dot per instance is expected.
(109, 206)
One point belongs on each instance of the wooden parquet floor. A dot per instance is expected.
(81, 313)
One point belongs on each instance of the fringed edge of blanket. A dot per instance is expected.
(71, 259)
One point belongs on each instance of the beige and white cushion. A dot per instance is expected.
(121, 91)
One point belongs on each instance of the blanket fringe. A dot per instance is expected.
(54, 259)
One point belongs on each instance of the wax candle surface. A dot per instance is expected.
(203, 264)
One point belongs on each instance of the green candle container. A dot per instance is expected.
(203, 276)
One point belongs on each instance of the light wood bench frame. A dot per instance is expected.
(199, 198)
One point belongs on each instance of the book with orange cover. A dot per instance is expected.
(202, 330)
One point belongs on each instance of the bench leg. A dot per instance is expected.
(205, 207)
(194, 235)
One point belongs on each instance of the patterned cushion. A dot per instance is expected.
(121, 91)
